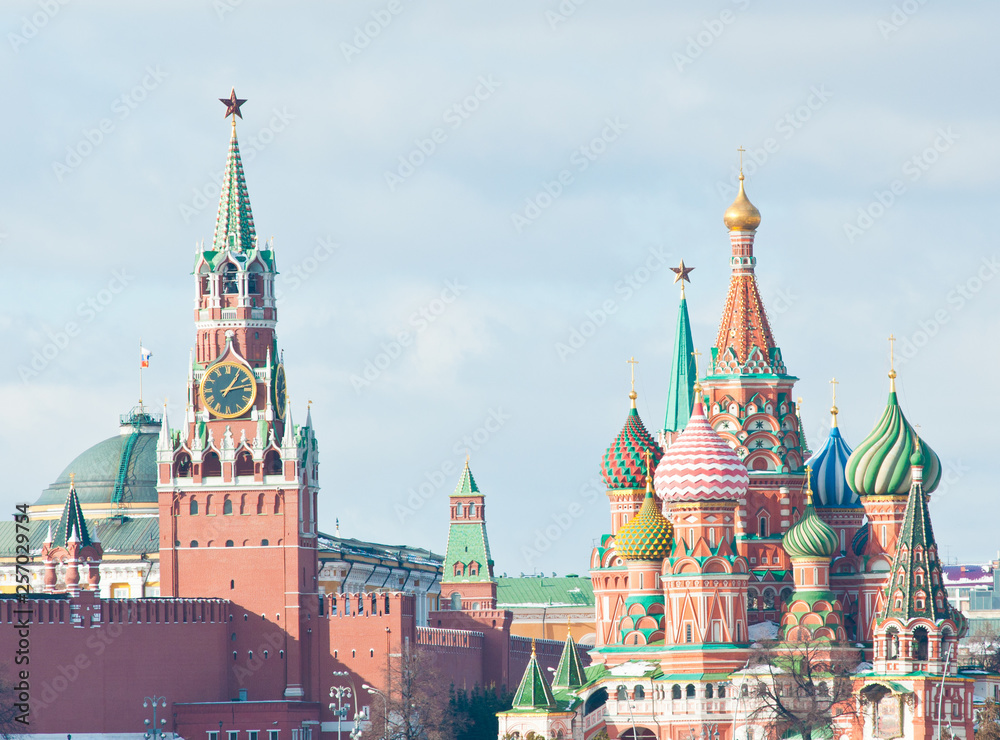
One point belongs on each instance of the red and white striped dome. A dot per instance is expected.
(700, 465)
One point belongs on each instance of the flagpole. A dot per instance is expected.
(140, 374)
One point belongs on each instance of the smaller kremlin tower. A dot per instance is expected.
(73, 545)
(468, 582)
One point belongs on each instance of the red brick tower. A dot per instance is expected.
(750, 404)
(238, 483)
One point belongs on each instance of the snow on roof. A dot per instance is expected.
(763, 631)
(632, 668)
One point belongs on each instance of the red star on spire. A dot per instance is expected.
(233, 105)
(681, 272)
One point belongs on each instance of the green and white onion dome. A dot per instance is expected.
(811, 537)
(880, 465)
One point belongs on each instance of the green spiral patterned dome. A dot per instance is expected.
(811, 537)
(880, 465)
(647, 535)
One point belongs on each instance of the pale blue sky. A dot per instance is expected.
(835, 101)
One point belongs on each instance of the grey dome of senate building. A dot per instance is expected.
(96, 470)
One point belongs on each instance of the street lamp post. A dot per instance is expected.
(154, 730)
(340, 693)
(385, 709)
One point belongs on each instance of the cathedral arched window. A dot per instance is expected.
(768, 598)
(193, 507)
(621, 694)
(892, 643)
(227, 505)
(688, 633)
(762, 527)
(230, 283)
(675, 691)
(244, 463)
(210, 465)
(753, 599)
(709, 691)
(722, 691)
(920, 641)
(689, 691)
(639, 693)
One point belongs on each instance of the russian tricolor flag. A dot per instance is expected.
(144, 355)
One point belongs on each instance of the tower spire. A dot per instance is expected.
(683, 369)
(632, 363)
(234, 227)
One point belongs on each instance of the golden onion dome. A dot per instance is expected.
(742, 215)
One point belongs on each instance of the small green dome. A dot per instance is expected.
(647, 535)
(811, 537)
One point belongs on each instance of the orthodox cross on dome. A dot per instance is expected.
(632, 363)
(233, 105)
(740, 149)
(681, 275)
(833, 409)
(697, 356)
(892, 365)
(809, 490)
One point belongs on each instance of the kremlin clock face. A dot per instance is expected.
(228, 389)
(280, 391)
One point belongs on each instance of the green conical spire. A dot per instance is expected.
(916, 589)
(683, 372)
(234, 227)
(534, 692)
(71, 523)
(569, 673)
(466, 484)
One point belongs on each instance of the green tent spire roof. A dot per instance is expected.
(234, 227)
(466, 484)
(72, 525)
(680, 392)
(534, 692)
(569, 673)
(916, 586)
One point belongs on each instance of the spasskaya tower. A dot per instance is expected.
(238, 482)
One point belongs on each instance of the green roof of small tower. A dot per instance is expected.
(569, 673)
(680, 392)
(234, 227)
(880, 465)
(534, 692)
(467, 540)
(916, 555)
(71, 523)
(466, 484)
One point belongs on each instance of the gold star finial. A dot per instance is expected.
(632, 394)
(833, 409)
(892, 364)
(741, 150)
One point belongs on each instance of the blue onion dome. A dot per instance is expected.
(829, 484)
(811, 537)
(880, 465)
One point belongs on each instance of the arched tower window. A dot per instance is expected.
(230, 283)
(193, 507)
(272, 463)
(255, 283)
(182, 466)
(277, 503)
(762, 527)
(472, 510)
(208, 505)
(244, 463)
(210, 465)
(459, 510)
(260, 504)
(227, 505)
